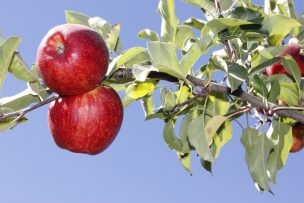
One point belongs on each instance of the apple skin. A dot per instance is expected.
(294, 51)
(86, 123)
(72, 59)
(297, 134)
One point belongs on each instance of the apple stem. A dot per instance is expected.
(60, 48)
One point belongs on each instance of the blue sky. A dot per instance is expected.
(138, 166)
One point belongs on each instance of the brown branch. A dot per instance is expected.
(125, 73)
(21, 113)
(217, 88)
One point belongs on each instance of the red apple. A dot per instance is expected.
(297, 133)
(86, 123)
(294, 51)
(72, 59)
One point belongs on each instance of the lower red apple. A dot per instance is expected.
(298, 134)
(293, 50)
(86, 123)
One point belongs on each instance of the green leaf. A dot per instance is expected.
(168, 99)
(195, 22)
(213, 27)
(19, 69)
(126, 101)
(274, 91)
(76, 18)
(266, 55)
(112, 37)
(260, 67)
(223, 135)
(258, 147)
(39, 90)
(185, 160)
(212, 127)
(273, 24)
(124, 58)
(190, 58)
(208, 7)
(207, 165)
(245, 14)
(19, 101)
(183, 133)
(198, 140)
(237, 74)
(183, 33)
(169, 135)
(148, 34)
(101, 26)
(260, 86)
(291, 66)
(147, 103)
(7, 50)
(166, 8)
(182, 94)
(289, 93)
(10, 123)
(164, 58)
(158, 114)
(281, 135)
(136, 91)
(141, 72)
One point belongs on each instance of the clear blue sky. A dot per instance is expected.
(138, 167)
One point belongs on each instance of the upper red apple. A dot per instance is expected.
(86, 123)
(297, 134)
(72, 59)
(294, 51)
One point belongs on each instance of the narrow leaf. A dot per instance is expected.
(169, 135)
(257, 146)
(198, 140)
(7, 50)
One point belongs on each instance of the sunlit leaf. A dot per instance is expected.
(164, 58)
(112, 37)
(147, 103)
(7, 50)
(19, 69)
(123, 58)
(100, 25)
(73, 17)
(189, 59)
(136, 91)
(19, 101)
(166, 8)
(148, 34)
(141, 72)
(185, 161)
(211, 29)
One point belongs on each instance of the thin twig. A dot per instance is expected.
(21, 113)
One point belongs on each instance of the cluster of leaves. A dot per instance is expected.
(249, 39)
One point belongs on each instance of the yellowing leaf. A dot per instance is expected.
(136, 91)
